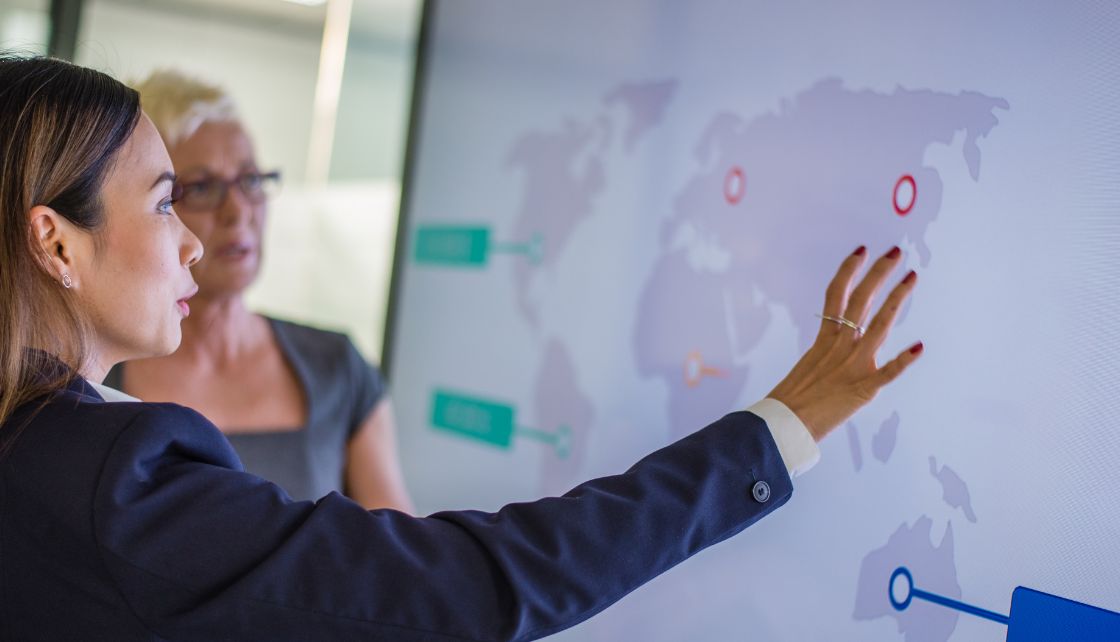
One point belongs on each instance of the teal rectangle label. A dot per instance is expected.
(452, 245)
(474, 418)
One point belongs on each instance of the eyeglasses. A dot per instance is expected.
(208, 195)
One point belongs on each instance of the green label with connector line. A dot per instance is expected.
(472, 417)
(491, 422)
(452, 245)
(469, 246)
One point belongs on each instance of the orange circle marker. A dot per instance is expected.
(695, 370)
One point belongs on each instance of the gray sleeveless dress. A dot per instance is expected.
(341, 389)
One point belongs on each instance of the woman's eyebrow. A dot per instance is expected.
(166, 176)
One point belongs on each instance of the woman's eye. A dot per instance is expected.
(165, 206)
(251, 183)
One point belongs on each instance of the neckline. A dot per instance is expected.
(110, 394)
(302, 382)
(302, 379)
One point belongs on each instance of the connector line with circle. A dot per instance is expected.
(533, 249)
(1035, 616)
(561, 439)
(915, 592)
(469, 246)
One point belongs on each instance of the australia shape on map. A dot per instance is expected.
(933, 568)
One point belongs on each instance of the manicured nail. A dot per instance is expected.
(860, 251)
(917, 348)
(910, 277)
(894, 253)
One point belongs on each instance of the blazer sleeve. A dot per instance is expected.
(201, 550)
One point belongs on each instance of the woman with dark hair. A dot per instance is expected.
(135, 521)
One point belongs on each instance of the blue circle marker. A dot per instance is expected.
(1035, 616)
(948, 602)
(905, 572)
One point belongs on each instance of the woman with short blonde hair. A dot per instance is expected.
(300, 405)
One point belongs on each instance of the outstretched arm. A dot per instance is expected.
(201, 551)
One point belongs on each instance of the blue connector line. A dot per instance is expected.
(1035, 616)
(914, 592)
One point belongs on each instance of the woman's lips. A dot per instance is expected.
(234, 251)
(184, 307)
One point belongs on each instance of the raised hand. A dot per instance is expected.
(839, 375)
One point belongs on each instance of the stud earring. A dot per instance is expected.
(67, 282)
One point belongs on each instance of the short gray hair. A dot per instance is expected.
(179, 104)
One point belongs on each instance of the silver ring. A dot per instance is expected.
(845, 322)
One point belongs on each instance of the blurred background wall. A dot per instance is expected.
(329, 241)
(24, 25)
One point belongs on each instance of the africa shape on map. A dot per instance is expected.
(757, 227)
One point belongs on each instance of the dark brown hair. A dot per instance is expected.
(61, 127)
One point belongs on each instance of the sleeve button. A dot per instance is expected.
(761, 492)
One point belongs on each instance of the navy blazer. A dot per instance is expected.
(135, 521)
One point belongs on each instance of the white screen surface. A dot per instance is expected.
(622, 217)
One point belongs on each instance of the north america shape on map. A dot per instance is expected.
(562, 172)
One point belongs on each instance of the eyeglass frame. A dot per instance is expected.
(225, 185)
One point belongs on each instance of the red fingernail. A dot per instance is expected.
(910, 277)
(917, 349)
(860, 251)
(894, 253)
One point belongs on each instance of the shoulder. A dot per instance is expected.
(158, 430)
(86, 438)
(320, 349)
(79, 410)
(308, 339)
(146, 431)
(338, 375)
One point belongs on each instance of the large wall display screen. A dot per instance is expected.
(620, 220)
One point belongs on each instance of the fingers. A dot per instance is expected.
(895, 367)
(884, 319)
(860, 302)
(836, 296)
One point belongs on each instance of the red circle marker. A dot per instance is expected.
(734, 185)
(902, 209)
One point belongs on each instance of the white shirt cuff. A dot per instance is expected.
(796, 445)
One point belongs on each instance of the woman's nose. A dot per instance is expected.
(191, 248)
(235, 207)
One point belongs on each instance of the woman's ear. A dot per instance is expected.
(53, 239)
